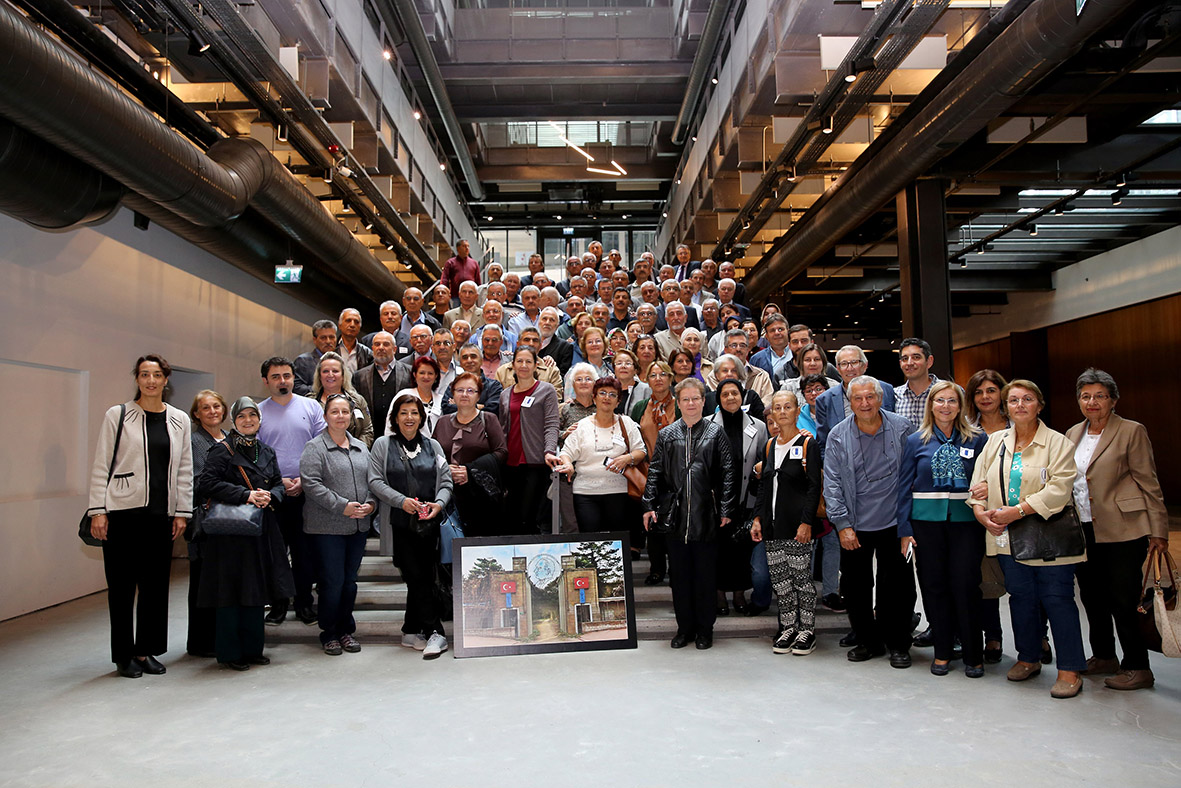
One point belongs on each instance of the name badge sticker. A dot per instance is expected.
(745, 408)
(750, 430)
(357, 414)
(403, 350)
(527, 402)
(795, 453)
(1045, 475)
(967, 453)
(618, 440)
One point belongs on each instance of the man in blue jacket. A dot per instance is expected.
(834, 406)
(861, 474)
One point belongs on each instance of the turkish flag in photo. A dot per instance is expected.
(508, 587)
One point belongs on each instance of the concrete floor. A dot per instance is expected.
(651, 717)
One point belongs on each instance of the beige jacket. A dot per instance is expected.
(757, 381)
(547, 370)
(1126, 498)
(1047, 479)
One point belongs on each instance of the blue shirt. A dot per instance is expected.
(878, 471)
(287, 429)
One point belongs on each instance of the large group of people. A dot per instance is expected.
(650, 400)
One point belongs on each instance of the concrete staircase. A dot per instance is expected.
(381, 605)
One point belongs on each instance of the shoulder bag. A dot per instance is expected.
(84, 524)
(1037, 538)
(636, 475)
(821, 509)
(1159, 618)
(230, 519)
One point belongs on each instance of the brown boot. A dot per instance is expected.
(1097, 666)
(1130, 680)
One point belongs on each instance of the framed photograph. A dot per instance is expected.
(538, 594)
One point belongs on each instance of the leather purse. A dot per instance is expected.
(636, 475)
(230, 519)
(84, 524)
(1159, 618)
(1037, 538)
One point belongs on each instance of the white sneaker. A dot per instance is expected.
(416, 642)
(435, 646)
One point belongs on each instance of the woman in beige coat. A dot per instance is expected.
(1119, 501)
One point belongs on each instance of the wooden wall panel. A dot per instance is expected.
(990, 355)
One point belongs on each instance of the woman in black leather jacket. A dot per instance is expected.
(692, 490)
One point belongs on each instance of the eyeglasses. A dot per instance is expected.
(691, 400)
(947, 401)
(607, 394)
(1021, 400)
(1094, 398)
(445, 343)
(466, 391)
(849, 364)
(658, 374)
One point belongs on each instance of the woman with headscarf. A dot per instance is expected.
(746, 435)
(241, 574)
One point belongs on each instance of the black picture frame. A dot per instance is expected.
(558, 602)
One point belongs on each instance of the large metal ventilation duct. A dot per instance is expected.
(1040, 40)
(48, 92)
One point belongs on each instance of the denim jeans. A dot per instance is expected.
(760, 576)
(1051, 588)
(830, 563)
(338, 559)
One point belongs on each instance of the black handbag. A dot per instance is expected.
(1037, 538)
(84, 524)
(232, 519)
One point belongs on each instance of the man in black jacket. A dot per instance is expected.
(324, 339)
(692, 491)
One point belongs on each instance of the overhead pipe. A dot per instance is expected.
(710, 34)
(1040, 40)
(48, 92)
(411, 24)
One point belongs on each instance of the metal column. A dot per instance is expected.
(923, 273)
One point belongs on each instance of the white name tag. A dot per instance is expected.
(527, 402)
(618, 440)
(745, 408)
(357, 414)
(1045, 475)
(967, 453)
(750, 430)
(795, 453)
(403, 350)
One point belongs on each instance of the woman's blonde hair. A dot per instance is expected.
(202, 394)
(346, 384)
(965, 427)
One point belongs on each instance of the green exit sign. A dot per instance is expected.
(288, 274)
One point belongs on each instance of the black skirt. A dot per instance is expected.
(245, 571)
(734, 556)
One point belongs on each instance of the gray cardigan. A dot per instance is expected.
(332, 477)
(391, 498)
(539, 431)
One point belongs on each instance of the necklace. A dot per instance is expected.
(412, 453)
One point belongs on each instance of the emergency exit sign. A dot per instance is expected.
(288, 274)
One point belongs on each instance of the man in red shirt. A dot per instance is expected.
(460, 269)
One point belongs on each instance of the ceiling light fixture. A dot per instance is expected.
(601, 171)
(828, 128)
(386, 54)
(369, 225)
(792, 177)
(1031, 229)
(563, 138)
(281, 132)
(442, 166)
(1123, 179)
(1119, 195)
(615, 164)
(417, 115)
(389, 247)
(198, 44)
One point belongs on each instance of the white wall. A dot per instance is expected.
(1141, 271)
(76, 310)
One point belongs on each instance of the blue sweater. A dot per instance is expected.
(917, 497)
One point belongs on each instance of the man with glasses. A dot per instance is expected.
(690, 497)
(861, 477)
(470, 357)
(758, 381)
(834, 405)
(547, 368)
(915, 359)
(443, 348)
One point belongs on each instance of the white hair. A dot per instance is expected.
(853, 349)
(867, 380)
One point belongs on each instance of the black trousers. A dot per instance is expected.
(526, 507)
(895, 590)
(1109, 584)
(418, 556)
(658, 552)
(239, 633)
(303, 564)
(597, 513)
(949, 556)
(137, 560)
(202, 620)
(693, 575)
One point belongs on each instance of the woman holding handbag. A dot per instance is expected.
(937, 462)
(208, 412)
(334, 471)
(787, 522)
(1122, 509)
(747, 436)
(1030, 472)
(141, 497)
(241, 572)
(410, 475)
(595, 456)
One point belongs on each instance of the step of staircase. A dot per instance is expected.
(381, 606)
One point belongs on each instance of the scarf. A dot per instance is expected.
(947, 467)
(697, 367)
(732, 422)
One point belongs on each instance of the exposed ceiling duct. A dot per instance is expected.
(1040, 40)
(47, 91)
(711, 33)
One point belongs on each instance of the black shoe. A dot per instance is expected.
(258, 660)
(151, 666)
(680, 640)
(901, 659)
(704, 642)
(654, 579)
(753, 610)
(849, 640)
(201, 654)
(306, 614)
(1047, 652)
(993, 655)
(923, 639)
(276, 616)
(239, 666)
(723, 610)
(130, 669)
(915, 618)
(974, 672)
(936, 668)
(864, 653)
(833, 602)
(957, 650)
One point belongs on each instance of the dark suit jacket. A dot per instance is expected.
(830, 409)
(401, 339)
(305, 372)
(561, 352)
(364, 354)
(690, 319)
(1126, 498)
(363, 383)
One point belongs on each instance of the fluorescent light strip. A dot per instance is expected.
(615, 164)
(562, 137)
(601, 171)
